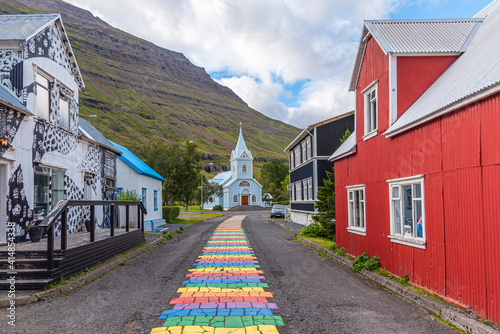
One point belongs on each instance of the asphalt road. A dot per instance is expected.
(314, 294)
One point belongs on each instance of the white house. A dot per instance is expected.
(133, 174)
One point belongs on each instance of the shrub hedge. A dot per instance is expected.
(218, 207)
(170, 213)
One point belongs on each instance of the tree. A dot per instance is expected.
(180, 166)
(210, 189)
(272, 176)
(325, 205)
(188, 175)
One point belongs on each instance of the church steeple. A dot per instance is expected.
(241, 151)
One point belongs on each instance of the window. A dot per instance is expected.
(297, 156)
(309, 190)
(291, 160)
(298, 191)
(235, 198)
(144, 202)
(356, 209)
(64, 120)
(254, 199)
(309, 148)
(304, 151)
(42, 96)
(244, 184)
(49, 189)
(244, 168)
(304, 186)
(407, 211)
(155, 199)
(371, 119)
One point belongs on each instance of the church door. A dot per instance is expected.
(244, 199)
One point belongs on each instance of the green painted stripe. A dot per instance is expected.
(221, 321)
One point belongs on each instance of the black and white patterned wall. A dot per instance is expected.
(48, 44)
(10, 121)
(19, 211)
(47, 138)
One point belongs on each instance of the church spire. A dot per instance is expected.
(241, 147)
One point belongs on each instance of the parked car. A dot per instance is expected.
(278, 211)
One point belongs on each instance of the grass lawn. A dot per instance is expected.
(319, 241)
(195, 218)
(191, 208)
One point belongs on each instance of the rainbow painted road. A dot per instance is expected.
(223, 293)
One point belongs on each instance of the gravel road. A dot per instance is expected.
(314, 294)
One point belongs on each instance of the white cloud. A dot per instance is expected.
(263, 44)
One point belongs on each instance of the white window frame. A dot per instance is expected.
(298, 191)
(308, 148)
(254, 198)
(244, 168)
(41, 86)
(402, 238)
(371, 116)
(235, 198)
(297, 156)
(291, 159)
(304, 151)
(361, 230)
(310, 190)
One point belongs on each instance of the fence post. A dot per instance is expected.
(64, 230)
(142, 220)
(50, 248)
(92, 223)
(127, 218)
(112, 232)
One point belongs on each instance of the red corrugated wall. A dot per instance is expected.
(459, 155)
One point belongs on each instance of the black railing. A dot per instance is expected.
(61, 210)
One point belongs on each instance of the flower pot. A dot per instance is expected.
(36, 233)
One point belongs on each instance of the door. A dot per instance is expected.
(244, 200)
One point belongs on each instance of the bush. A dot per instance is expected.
(218, 207)
(129, 195)
(170, 213)
(363, 261)
(316, 229)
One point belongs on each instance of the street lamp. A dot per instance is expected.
(201, 182)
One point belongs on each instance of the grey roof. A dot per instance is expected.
(306, 130)
(410, 36)
(417, 36)
(348, 147)
(93, 134)
(21, 27)
(9, 100)
(475, 74)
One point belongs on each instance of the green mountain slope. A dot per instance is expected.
(142, 92)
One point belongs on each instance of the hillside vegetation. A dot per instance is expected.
(141, 92)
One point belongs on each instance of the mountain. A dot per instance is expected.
(142, 92)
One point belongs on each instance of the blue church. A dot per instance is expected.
(238, 185)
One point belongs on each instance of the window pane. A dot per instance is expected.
(362, 214)
(417, 190)
(419, 233)
(42, 102)
(395, 192)
(407, 209)
(42, 80)
(350, 195)
(64, 113)
(356, 208)
(57, 186)
(397, 217)
(351, 214)
(41, 182)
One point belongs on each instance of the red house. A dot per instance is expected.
(418, 183)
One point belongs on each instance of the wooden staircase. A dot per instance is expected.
(30, 267)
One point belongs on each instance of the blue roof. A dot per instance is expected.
(10, 100)
(137, 164)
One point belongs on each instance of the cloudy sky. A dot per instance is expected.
(289, 59)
